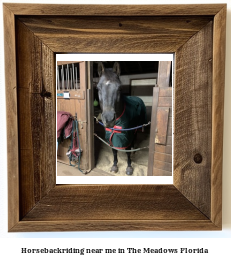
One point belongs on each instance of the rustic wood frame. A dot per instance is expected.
(196, 34)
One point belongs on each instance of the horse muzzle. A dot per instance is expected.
(109, 119)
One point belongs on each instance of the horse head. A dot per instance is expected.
(109, 92)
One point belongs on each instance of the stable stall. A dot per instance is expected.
(77, 95)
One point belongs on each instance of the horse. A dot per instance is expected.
(118, 112)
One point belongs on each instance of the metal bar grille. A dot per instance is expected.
(68, 77)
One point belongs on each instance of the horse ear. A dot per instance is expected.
(100, 68)
(116, 68)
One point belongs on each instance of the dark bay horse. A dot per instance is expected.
(118, 112)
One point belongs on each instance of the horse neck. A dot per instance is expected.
(119, 108)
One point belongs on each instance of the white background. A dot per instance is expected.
(218, 242)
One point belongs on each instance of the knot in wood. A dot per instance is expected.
(198, 158)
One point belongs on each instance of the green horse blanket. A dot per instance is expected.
(133, 115)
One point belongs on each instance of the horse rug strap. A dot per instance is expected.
(134, 114)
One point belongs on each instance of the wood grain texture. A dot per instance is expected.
(164, 149)
(163, 133)
(114, 225)
(218, 115)
(36, 128)
(161, 172)
(163, 157)
(117, 10)
(68, 208)
(70, 204)
(12, 117)
(152, 144)
(162, 34)
(162, 125)
(164, 74)
(193, 103)
(79, 203)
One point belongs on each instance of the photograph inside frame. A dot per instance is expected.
(114, 119)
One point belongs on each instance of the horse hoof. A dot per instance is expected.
(129, 171)
(114, 169)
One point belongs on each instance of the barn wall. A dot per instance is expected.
(163, 137)
(76, 104)
(162, 165)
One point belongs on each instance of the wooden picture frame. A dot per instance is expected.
(34, 33)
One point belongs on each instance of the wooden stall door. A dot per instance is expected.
(75, 103)
(160, 147)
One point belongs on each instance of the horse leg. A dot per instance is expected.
(129, 170)
(114, 168)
